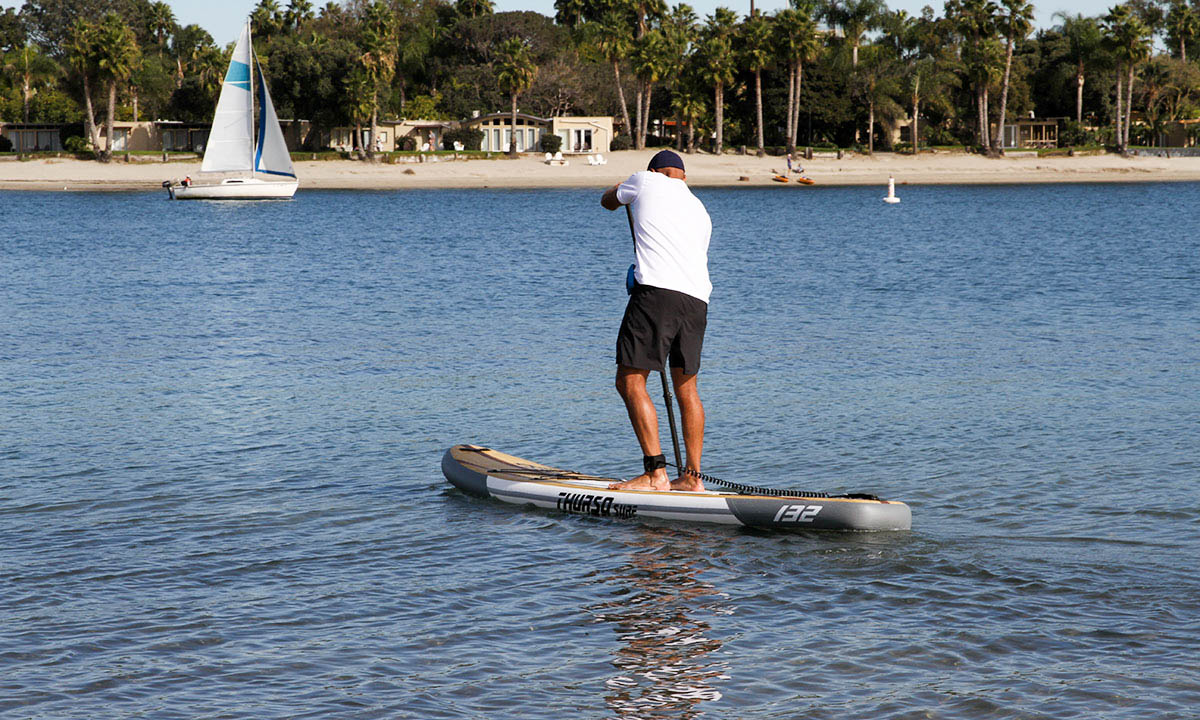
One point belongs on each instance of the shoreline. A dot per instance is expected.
(703, 170)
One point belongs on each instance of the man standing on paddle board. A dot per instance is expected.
(666, 314)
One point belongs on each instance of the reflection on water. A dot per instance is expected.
(665, 664)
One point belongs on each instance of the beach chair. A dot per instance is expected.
(458, 147)
(600, 159)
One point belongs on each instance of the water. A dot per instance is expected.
(221, 427)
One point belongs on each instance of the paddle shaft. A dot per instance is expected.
(670, 402)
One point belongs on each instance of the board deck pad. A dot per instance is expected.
(485, 472)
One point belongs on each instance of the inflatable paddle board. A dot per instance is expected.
(487, 473)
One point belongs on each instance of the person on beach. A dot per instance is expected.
(666, 314)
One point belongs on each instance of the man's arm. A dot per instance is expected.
(609, 200)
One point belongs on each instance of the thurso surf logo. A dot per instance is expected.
(600, 506)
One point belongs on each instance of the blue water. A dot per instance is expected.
(221, 428)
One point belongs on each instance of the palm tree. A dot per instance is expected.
(1128, 37)
(1014, 23)
(1183, 25)
(267, 18)
(162, 23)
(474, 8)
(299, 14)
(975, 23)
(926, 61)
(1084, 41)
(515, 75)
(876, 80)
(717, 65)
(680, 30)
(378, 59)
(651, 59)
(614, 41)
(570, 12)
(81, 54)
(116, 57)
(796, 34)
(688, 104)
(754, 51)
(30, 68)
(855, 18)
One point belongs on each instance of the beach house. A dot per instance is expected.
(579, 134)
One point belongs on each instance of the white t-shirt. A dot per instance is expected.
(672, 229)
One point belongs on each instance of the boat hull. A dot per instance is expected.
(236, 189)
(488, 473)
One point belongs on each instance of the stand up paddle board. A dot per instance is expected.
(487, 473)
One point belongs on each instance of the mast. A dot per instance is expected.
(253, 60)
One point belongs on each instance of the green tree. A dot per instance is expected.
(855, 18)
(162, 24)
(651, 61)
(680, 30)
(1015, 23)
(688, 105)
(1084, 47)
(298, 15)
(718, 63)
(876, 81)
(81, 53)
(1183, 27)
(612, 37)
(795, 36)
(379, 42)
(117, 56)
(974, 22)
(754, 51)
(267, 19)
(515, 75)
(474, 8)
(1128, 38)
(31, 71)
(926, 62)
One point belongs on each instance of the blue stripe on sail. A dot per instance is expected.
(276, 172)
(262, 118)
(238, 74)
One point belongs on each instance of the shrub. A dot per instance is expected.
(938, 135)
(1074, 133)
(471, 138)
(408, 143)
(77, 145)
(824, 145)
(551, 143)
(621, 142)
(5, 144)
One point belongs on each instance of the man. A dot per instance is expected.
(666, 314)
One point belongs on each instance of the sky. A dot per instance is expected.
(223, 18)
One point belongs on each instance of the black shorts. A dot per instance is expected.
(659, 324)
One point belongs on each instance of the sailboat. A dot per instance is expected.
(240, 163)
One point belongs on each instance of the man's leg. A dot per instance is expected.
(691, 411)
(631, 384)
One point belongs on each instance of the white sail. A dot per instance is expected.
(272, 155)
(231, 141)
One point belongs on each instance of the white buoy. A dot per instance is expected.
(891, 196)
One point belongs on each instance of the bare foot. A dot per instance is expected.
(687, 483)
(656, 480)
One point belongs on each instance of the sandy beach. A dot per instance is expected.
(530, 171)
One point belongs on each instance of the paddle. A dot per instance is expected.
(670, 401)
